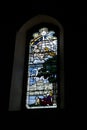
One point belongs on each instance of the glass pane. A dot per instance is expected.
(42, 82)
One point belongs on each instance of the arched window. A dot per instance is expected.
(38, 71)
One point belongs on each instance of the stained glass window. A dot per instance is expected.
(42, 81)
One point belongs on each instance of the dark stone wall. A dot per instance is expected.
(74, 23)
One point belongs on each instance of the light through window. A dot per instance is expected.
(42, 81)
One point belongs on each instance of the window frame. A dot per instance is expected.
(16, 92)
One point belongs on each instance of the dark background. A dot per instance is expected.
(73, 19)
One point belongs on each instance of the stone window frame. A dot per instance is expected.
(15, 99)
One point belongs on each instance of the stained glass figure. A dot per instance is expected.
(42, 82)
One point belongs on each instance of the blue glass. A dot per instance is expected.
(42, 70)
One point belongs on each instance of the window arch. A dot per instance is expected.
(20, 66)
